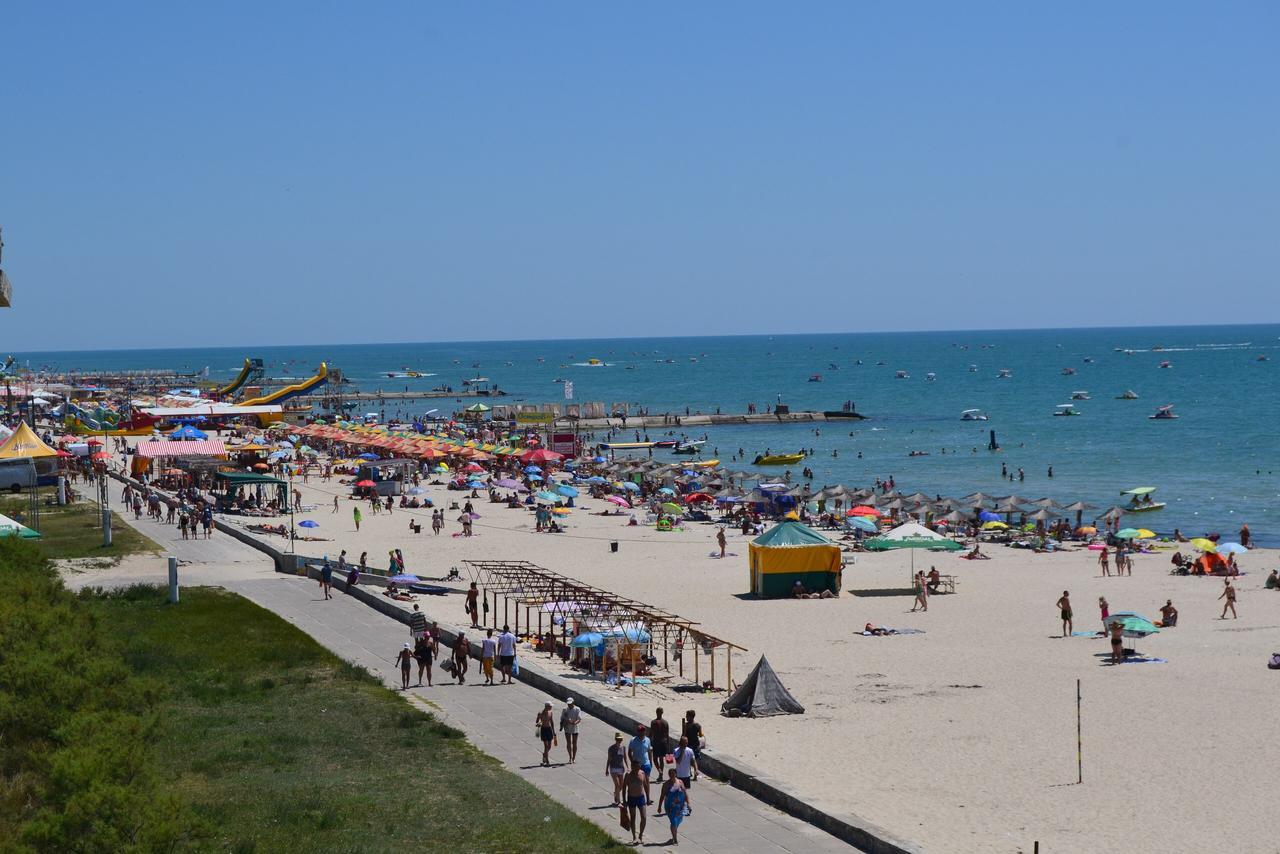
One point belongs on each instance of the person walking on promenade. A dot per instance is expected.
(461, 648)
(660, 737)
(570, 718)
(423, 653)
(506, 654)
(692, 730)
(488, 648)
(673, 798)
(1064, 608)
(640, 752)
(405, 659)
(326, 578)
(473, 594)
(721, 541)
(1228, 593)
(546, 732)
(636, 786)
(355, 513)
(615, 766)
(417, 623)
(686, 768)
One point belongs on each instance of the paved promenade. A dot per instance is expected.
(497, 719)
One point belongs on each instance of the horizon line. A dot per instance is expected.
(27, 353)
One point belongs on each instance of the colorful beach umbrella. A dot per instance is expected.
(619, 500)
(1231, 549)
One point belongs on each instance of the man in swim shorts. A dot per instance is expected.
(1064, 606)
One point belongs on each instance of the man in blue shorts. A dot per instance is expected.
(640, 749)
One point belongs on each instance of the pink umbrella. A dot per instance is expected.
(619, 500)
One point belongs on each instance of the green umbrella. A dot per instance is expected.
(672, 509)
(1135, 625)
(1127, 534)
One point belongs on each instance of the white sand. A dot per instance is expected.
(960, 739)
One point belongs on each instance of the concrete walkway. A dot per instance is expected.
(497, 719)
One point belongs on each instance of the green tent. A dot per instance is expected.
(12, 528)
(791, 552)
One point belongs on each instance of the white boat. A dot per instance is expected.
(1128, 395)
(930, 377)
(1065, 409)
(1163, 413)
(973, 369)
(1141, 500)
(902, 375)
(973, 415)
(1080, 395)
(1004, 374)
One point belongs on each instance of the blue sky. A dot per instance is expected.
(258, 173)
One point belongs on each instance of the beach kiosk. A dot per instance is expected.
(791, 552)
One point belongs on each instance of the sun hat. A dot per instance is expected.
(569, 701)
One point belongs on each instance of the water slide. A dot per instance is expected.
(291, 391)
(238, 381)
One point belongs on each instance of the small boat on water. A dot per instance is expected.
(665, 443)
(973, 415)
(930, 377)
(1141, 501)
(973, 369)
(902, 375)
(1163, 413)
(1166, 364)
(1004, 374)
(1128, 395)
(406, 374)
(1080, 395)
(688, 448)
(1068, 372)
(1065, 409)
(778, 459)
(1262, 358)
(815, 378)
(592, 363)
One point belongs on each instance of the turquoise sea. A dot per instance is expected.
(1214, 465)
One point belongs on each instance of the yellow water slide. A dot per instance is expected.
(238, 381)
(290, 391)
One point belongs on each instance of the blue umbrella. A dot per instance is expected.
(532, 470)
(587, 640)
(549, 497)
(595, 478)
(599, 460)
(368, 456)
(629, 486)
(571, 464)
(634, 634)
(475, 484)
(307, 523)
(568, 492)
(667, 490)
(862, 523)
(535, 478)
(416, 490)
(1231, 549)
(278, 455)
(988, 516)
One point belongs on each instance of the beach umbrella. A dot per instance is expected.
(863, 510)
(1231, 549)
(474, 467)
(532, 470)
(1146, 534)
(619, 500)
(307, 523)
(994, 526)
(1086, 530)
(671, 509)
(561, 511)
(973, 499)
(545, 497)
(1134, 625)
(595, 478)
(862, 523)
(1008, 506)
(541, 455)
(955, 517)
(1041, 515)
(507, 483)
(587, 640)
(1128, 534)
(666, 490)
(475, 484)
(100, 455)
(1097, 547)
(988, 516)
(416, 490)
(568, 491)
(261, 466)
(630, 486)
(364, 484)
(698, 498)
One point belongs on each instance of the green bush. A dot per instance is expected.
(76, 726)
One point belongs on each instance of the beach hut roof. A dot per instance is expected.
(762, 694)
(790, 533)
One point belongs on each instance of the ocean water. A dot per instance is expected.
(1215, 465)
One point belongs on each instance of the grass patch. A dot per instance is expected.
(69, 532)
(278, 745)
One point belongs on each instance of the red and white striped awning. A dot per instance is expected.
(168, 448)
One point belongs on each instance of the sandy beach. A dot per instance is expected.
(962, 738)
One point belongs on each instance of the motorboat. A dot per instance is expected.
(592, 363)
(902, 375)
(778, 459)
(1080, 395)
(1141, 501)
(930, 377)
(815, 378)
(1128, 395)
(1088, 360)
(665, 443)
(406, 374)
(1068, 372)
(1163, 413)
(1065, 409)
(688, 448)
(1004, 374)
(973, 415)
(973, 369)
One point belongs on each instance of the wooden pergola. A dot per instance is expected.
(545, 593)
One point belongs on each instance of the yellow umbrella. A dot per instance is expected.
(1144, 534)
(994, 526)
(1203, 545)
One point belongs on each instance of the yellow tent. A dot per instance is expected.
(25, 444)
(791, 552)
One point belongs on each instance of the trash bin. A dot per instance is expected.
(613, 546)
